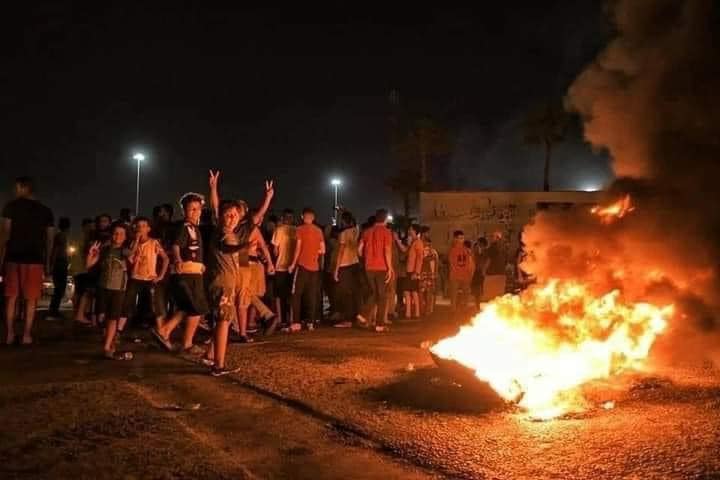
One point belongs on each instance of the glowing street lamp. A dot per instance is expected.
(336, 183)
(139, 157)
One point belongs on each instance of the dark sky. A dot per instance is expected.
(296, 95)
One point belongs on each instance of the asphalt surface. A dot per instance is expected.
(67, 413)
(335, 403)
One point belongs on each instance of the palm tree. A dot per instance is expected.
(406, 183)
(546, 126)
(424, 142)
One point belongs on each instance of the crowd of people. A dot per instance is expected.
(236, 271)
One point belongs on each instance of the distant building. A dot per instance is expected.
(479, 214)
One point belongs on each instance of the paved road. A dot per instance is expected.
(340, 404)
(68, 414)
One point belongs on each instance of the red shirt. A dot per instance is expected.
(312, 240)
(376, 239)
(461, 262)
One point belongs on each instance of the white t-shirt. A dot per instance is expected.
(284, 238)
(145, 266)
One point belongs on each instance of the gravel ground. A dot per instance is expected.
(386, 388)
(67, 413)
(334, 403)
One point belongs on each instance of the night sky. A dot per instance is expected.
(295, 95)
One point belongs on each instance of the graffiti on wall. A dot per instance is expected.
(482, 210)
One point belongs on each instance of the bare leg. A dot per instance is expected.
(110, 331)
(242, 320)
(10, 318)
(260, 308)
(29, 319)
(415, 300)
(159, 322)
(210, 352)
(191, 325)
(221, 338)
(122, 323)
(252, 316)
(82, 307)
(408, 304)
(170, 325)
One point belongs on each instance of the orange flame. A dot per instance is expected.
(614, 211)
(537, 348)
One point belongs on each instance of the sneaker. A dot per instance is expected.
(381, 328)
(310, 326)
(207, 362)
(219, 372)
(343, 325)
(362, 321)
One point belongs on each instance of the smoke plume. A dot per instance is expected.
(651, 99)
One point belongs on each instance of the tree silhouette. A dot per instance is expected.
(546, 126)
(425, 141)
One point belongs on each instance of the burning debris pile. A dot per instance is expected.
(611, 279)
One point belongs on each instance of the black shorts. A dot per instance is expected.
(156, 292)
(407, 284)
(86, 282)
(110, 303)
(188, 292)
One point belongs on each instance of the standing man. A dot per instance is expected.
(310, 246)
(495, 263)
(411, 288)
(283, 242)
(26, 236)
(462, 268)
(376, 248)
(60, 265)
(346, 271)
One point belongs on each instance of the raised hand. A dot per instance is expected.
(94, 249)
(213, 180)
(269, 187)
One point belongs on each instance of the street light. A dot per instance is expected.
(336, 183)
(139, 157)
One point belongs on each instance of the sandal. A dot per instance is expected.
(162, 340)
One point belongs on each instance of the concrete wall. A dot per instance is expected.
(481, 213)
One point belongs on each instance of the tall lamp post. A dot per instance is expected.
(139, 157)
(336, 183)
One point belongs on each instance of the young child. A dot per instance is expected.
(187, 281)
(229, 281)
(149, 264)
(111, 260)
